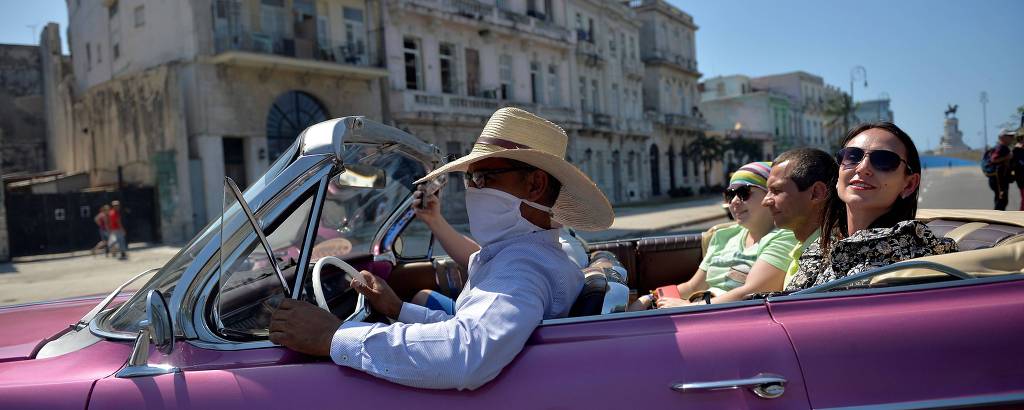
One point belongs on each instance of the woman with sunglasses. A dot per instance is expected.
(872, 217)
(749, 257)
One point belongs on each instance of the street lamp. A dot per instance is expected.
(984, 119)
(856, 73)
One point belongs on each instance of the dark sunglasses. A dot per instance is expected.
(880, 159)
(478, 179)
(742, 191)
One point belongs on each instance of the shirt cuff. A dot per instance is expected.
(412, 313)
(347, 343)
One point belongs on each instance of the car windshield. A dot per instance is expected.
(126, 318)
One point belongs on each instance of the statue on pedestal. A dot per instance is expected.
(952, 140)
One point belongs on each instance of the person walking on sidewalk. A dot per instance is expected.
(116, 229)
(102, 220)
(1017, 163)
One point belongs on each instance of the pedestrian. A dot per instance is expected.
(1018, 166)
(102, 220)
(116, 229)
(1000, 157)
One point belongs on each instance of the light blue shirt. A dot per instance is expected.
(513, 284)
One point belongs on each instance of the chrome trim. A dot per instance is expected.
(231, 346)
(203, 287)
(764, 385)
(388, 256)
(649, 313)
(182, 312)
(329, 137)
(885, 269)
(898, 289)
(72, 341)
(256, 226)
(84, 321)
(138, 363)
(307, 244)
(974, 401)
(94, 328)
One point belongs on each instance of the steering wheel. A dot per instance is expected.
(362, 308)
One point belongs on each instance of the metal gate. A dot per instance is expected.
(54, 223)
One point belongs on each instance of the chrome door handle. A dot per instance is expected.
(764, 385)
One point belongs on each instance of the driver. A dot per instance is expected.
(519, 191)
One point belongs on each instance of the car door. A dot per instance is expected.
(629, 360)
(941, 344)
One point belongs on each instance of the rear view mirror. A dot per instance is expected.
(362, 176)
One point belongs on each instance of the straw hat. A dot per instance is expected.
(516, 134)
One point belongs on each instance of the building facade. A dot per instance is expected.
(818, 109)
(167, 94)
(873, 110)
(22, 123)
(734, 109)
(671, 97)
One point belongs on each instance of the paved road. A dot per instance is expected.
(46, 278)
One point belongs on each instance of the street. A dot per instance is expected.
(33, 279)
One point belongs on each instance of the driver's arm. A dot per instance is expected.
(458, 246)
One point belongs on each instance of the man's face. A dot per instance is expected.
(790, 207)
(1006, 139)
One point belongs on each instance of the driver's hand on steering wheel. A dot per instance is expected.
(377, 292)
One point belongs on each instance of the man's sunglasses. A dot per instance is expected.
(742, 191)
(478, 179)
(882, 160)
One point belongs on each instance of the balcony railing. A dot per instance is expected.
(303, 48)
(602, 120)
(421, 101)
(535, 22)
(668, 57)
(680, 120)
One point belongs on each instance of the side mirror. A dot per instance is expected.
(362, 176)
(156, 328)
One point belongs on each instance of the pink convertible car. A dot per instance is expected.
(941, 331)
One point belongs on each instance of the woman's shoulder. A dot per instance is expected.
(910, 227)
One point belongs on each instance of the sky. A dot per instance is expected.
(924, 54)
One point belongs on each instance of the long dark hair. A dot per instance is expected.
(903, 209)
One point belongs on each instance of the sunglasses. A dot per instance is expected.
(880, 159)
(478, 179)
(742, 191)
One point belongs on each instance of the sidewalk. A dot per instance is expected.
(646, 220)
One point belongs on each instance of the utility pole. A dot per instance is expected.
(32, 27)
(984, 119)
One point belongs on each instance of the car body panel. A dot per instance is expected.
(618, 363)
(26, 326)
(951, 342)
(62, 381)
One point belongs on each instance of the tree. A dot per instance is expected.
(707, 150)
(744, 150)
(839, 113)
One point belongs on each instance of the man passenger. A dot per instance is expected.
(519, 191)
(799, 185)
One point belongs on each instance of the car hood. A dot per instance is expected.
(27, 326)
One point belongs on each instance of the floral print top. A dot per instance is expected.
(867, 249)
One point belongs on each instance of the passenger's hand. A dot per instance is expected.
(379, 294)
(303, 327)
(671, 303)
(430, 212)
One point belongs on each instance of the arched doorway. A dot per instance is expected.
(290, 114)
(655, 175)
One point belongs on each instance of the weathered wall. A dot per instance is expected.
(135, 124)
(22, 120)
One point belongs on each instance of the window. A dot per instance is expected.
(88, 57)
(554, 88)
(272, 18)
(611, 43)
(117, 51)
(413, 79)
(99, 53)
(112, 10)
(447, 57)
(354, 51)
(505, 72)
(615, 100)
(622, 40)
(596, 96)
(140, 16)
(632, 48)
(536, 83)
(590, 30)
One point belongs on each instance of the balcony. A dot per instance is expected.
(602, 120)
(632, 68)
(417, 103)
(685, 121)
(298, 53)
(590, 54)
(671, 58)
(638, 126)
(490, 17)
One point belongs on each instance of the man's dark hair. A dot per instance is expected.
(903, 209)
(810, 165)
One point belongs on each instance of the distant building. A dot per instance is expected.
(173, 95)
(873, 110)
(733, 108)
(816, 105)
(22, 119)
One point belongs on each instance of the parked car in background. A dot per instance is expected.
(939, 332)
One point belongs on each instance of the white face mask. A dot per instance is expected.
(494, 215)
